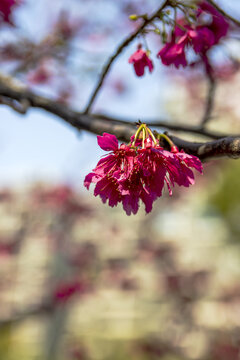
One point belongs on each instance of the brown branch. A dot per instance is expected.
(119, 50)
(224, 147)
(156, 123)
(97, 124)
(219, 9)
(19, 106)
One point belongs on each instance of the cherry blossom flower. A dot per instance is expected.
(218, 24)
(6, 8)
(139, 171)
(140, 59)
(184, 176)
(174, 52)
(202, 39)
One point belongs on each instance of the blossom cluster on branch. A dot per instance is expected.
(199, 29)
(139, 170)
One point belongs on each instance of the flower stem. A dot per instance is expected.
(152, 136)
(137, 133)
(165, 137)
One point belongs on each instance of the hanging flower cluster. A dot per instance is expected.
(139, 170)
(200, 35)
(202, 31)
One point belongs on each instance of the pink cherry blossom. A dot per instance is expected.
(6, 8)
(201, 38)
(140, 60)
(174, 52)
(139, 171)
(184, 163)
(218, 24)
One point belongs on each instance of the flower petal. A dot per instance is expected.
(108, 142)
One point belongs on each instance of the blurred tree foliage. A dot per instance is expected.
(225, 199)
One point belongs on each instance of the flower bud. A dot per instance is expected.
(157, 31)
(133, 17)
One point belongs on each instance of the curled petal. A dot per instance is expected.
(89, 178)
(108, 142)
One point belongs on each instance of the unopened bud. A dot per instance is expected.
(157, 31)
(133, 17)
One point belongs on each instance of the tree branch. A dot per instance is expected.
(166, 124)
(209, 100)
(224, 147)
(118, 51)
(96, 123)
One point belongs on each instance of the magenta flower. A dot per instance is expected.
(218, 24)
(140, 60)
(174, 52)
(139, 171)
(184, 176)
(202, 39)
(6, 8)
(107, 173)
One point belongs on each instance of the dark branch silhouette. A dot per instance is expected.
(209, 100)
(224, 145)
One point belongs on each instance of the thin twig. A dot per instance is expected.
(118, 51)
(219, 9)
(165, 124)
(209, 100)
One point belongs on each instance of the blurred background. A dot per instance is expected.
(79, 280)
